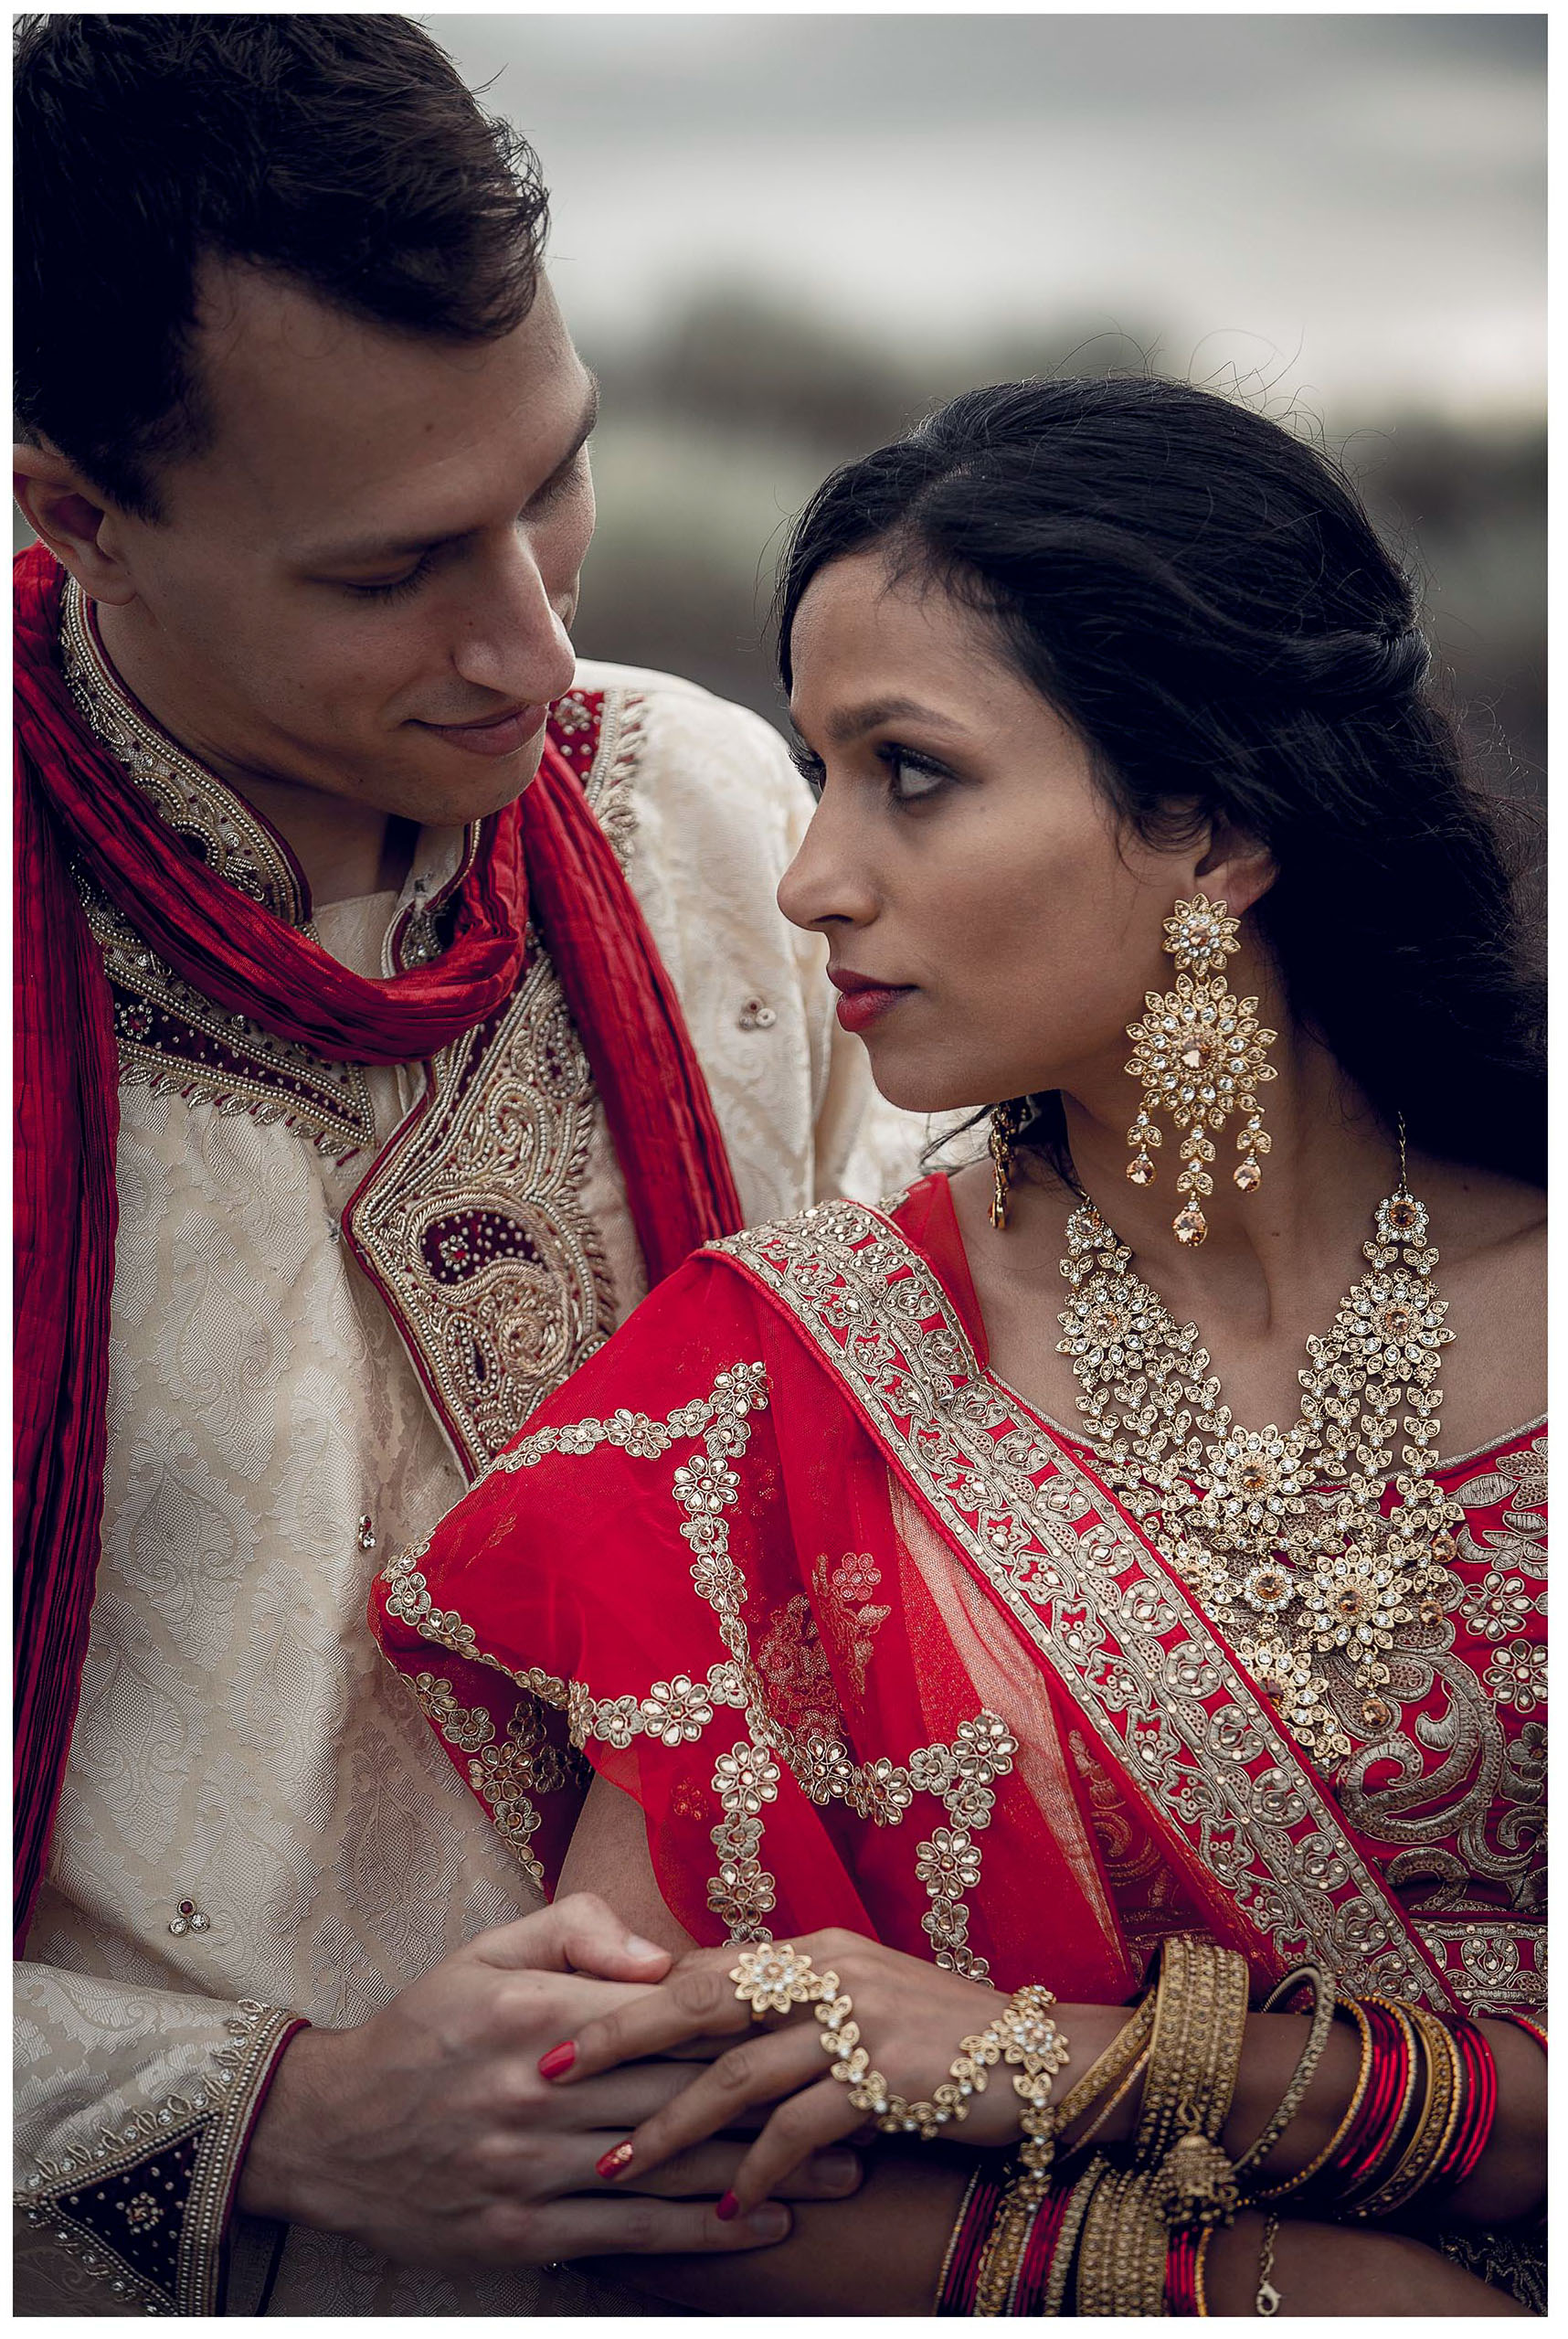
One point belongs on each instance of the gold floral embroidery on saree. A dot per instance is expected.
(746, 1777)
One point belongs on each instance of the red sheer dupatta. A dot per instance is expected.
(695, 1565)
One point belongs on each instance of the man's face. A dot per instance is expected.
(375, 559)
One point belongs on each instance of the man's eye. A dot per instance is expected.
(392, 591)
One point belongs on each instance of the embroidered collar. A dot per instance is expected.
(237, 842)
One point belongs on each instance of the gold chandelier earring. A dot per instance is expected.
(1007, 1123)
(1200, 1056)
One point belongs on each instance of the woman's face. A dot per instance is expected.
(962, 859)
(990, 930)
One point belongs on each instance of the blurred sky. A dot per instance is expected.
(1349, 208)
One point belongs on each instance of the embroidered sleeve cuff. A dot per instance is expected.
(146, 2208)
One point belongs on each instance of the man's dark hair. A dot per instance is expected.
(343, 152)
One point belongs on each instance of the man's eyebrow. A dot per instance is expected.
(409, 547)
(849, 723)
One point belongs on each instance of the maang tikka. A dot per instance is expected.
(1200, 1056)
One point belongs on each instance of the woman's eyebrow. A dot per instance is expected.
(848, 723)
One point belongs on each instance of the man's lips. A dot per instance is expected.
(863, 998)
(493, 734)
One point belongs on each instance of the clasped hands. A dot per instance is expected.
(429, 2134)
(911, 2016)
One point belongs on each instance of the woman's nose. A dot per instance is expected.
(829, 882)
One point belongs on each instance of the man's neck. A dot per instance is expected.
(345, 850)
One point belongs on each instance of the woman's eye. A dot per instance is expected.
(809, 767)
(912, 776)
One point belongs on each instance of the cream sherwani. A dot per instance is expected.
(256, 1820)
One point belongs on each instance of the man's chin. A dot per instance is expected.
(453, 788)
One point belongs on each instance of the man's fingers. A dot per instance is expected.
(698, 2002)
(615, 2224)
(579, 1934)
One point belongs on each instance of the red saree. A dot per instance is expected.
(873, 1646)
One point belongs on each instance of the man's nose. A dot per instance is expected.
(513, 639)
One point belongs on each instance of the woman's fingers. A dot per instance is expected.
(759, 2071)
(710, 2170)
(801, 2127)
(698, 2001)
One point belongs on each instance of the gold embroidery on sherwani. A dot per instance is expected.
(471, 1221)
(1140, 1659)
(172, 1040)
(745, 1775)
(142, 2207)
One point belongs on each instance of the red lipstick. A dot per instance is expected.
(862, 999)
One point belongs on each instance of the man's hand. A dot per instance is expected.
(428, 2134)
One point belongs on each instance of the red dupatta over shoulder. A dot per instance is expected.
(872, 1646)
(544, 857)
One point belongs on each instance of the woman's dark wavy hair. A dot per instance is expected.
(1205, 599)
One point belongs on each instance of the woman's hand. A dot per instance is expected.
(911, 2016)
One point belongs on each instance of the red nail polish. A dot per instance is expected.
(727, 2207)
(615, 2160)
(559, 2058)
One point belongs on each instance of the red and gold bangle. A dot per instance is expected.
(1522, 2022)
(1040, 2251)
(1200, 2263)
(1181, 2270)
(960, 2277)
(1364, 2157)
(1478, 2107)
(1430, 2132)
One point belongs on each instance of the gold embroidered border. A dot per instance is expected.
(1140, 1661)
(217, 2116)
(746, 1776)
(471, 1221)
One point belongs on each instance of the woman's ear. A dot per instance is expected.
(74, 519)
(1234, 868)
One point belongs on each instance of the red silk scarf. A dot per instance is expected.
(544, 855)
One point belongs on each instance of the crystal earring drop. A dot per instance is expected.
(1201, 1055)
(1006, 1122)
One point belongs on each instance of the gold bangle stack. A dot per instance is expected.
(1200, 2028)
(1078, 2205)
(1109, 2076)
(1006, 2243)
(1121, 2257)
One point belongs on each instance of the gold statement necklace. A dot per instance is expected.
(1280, 1534)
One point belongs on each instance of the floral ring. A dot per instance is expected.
(775, 1978)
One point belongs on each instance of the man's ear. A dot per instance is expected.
(1234, 868)
(75, 519)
